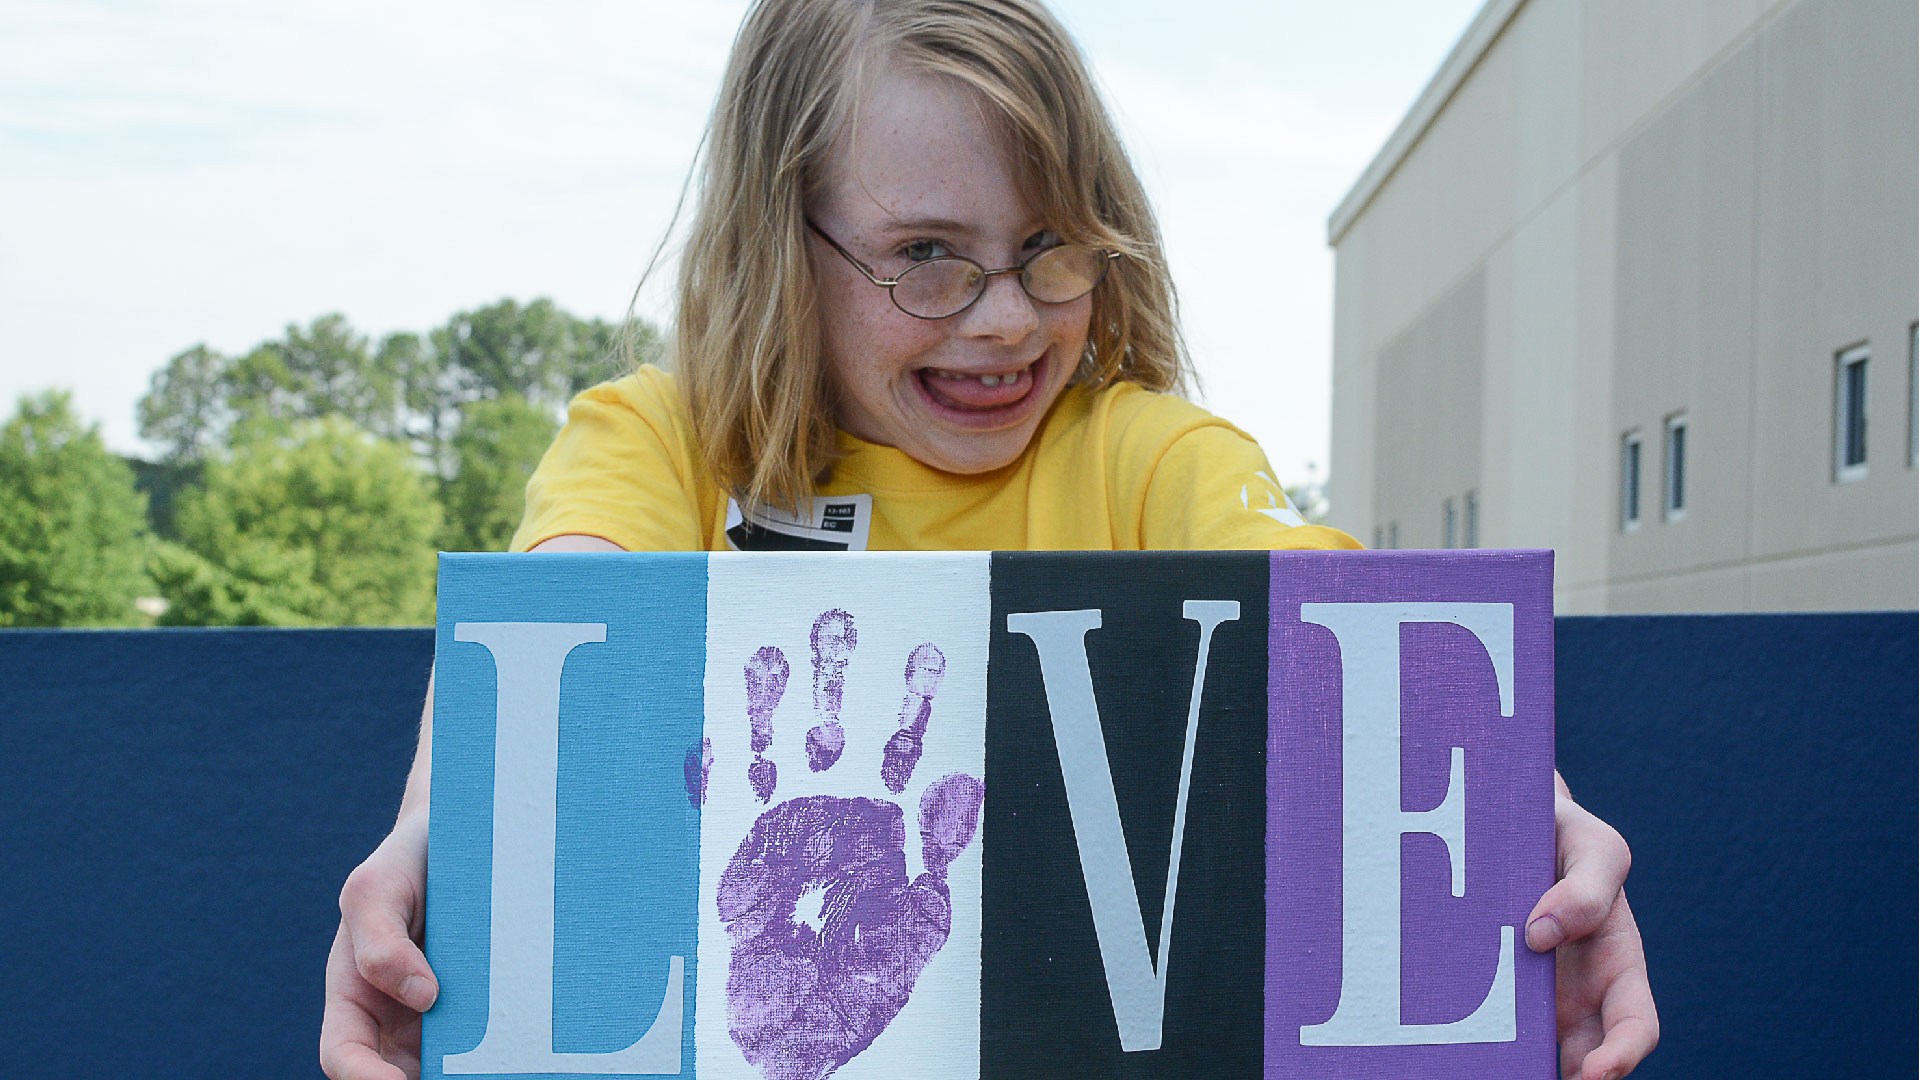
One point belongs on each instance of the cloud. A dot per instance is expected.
(209, 171)
(205, 171)
(1243, 170)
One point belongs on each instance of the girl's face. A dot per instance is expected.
(923, 176)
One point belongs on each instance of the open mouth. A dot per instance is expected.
(981, 399)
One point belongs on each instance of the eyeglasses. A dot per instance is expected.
(944, 287)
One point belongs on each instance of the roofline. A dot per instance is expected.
(1466, 55)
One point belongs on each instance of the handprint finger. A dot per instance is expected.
(766, 674)
(924, 669)
(949, 812)
(699, 763)
(833, 640)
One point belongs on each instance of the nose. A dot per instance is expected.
(1004, 311)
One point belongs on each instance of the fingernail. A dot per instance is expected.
(1544, 933)
(417, 993)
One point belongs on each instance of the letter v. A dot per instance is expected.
(1136, 983)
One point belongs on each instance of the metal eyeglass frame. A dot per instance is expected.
(985, 274)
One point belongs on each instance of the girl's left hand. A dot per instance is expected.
(1606, 1015)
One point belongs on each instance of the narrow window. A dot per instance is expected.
(1447, 522)
(1393, 534)
(1913, 394)
(1674, 504)
(1379, 538)
(1472, 508)
(1630, 481)
(1850, 415)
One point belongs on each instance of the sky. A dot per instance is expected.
(177, 172)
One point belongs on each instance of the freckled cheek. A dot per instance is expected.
(892, 342)
(1066, 327)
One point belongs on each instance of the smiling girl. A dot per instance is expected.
(923, 305)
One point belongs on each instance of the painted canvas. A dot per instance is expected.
(786, 816)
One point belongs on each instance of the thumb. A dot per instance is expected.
(377, 906)
(1594, 861)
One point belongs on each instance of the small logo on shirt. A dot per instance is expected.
(827, 523)
(1279, 507)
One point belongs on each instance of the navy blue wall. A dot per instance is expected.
(178, 809)
(1763, 770)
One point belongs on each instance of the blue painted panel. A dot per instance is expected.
(627, 871)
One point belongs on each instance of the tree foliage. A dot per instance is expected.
(324, 369)
(495, 449)
(473, 403)
(185, 410)
(321, 524)
(72, 527)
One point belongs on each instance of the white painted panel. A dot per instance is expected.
(898, 602)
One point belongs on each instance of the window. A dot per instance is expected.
(1630, 481)
(1472, 507)
(1447, 523)
(1913, 394)
(1850, 415)
(1379, 538)
(1393, 534)
(1674, 501)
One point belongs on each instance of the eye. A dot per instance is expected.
(1041, 241)
(919, 251)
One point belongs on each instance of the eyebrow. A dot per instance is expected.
(946, 225)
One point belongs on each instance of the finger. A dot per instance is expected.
(354, 1061)
(1595, 861)
(376, 906)
(349, 1032)
(1627, 1013)
(1576, 1044)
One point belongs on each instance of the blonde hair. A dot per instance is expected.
(747, 344)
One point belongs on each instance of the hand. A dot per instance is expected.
(378, 982)
(1606, 1015)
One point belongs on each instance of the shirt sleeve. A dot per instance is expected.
(1213, 490)
(617, 470)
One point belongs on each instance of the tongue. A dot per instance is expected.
(974, 394)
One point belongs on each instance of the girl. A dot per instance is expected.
(922, 288)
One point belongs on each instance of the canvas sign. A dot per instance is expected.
(786, 816)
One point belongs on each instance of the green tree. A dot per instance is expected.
(320, 370)
(72, 527)
(506, 349)
(536, 351)
(321, 524)
(185, 409)
(495, 449)
(426, 416)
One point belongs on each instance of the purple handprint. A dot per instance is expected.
(833, 642)
(766, 674)
(924, 669)
(829, 932)
(803, 1000)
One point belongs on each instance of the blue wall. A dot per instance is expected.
(178, 809)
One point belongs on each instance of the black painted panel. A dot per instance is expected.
(1046, 1008)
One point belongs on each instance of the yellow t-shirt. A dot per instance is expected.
(1116, 469)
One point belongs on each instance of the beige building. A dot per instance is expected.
(1636, 280)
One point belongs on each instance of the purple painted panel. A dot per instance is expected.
(1457, 626)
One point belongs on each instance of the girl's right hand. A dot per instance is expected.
(378, 982)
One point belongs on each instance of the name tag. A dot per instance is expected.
(827, 523)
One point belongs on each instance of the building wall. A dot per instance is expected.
(1662, 209)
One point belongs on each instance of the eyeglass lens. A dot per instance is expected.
(942, 287)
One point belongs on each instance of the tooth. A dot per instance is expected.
(990, 380)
